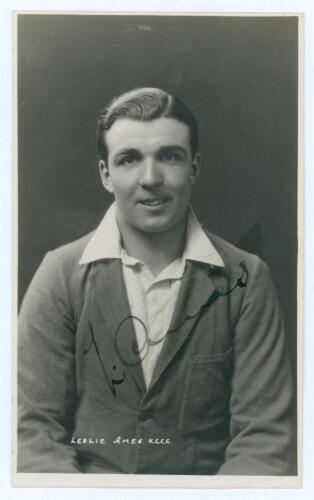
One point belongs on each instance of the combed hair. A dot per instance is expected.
(145, 104)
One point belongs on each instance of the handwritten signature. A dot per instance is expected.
(113, 382)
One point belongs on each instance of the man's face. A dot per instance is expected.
(150, 171)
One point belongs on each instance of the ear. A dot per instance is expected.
(105, 176)
(196, 168)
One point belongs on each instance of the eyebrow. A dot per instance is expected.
(161, 150)
(127, 151)
(172, 147)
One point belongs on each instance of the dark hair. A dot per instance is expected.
(145, 104)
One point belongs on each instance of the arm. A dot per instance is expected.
(46, 374)
(261, 390)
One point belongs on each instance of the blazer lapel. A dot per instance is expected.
(197, 291)
(111, 297)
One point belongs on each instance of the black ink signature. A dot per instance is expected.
(147, 343)
(111, 382)
(219, 292)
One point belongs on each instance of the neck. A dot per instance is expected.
(156, 250)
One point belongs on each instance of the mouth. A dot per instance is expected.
(155, 202)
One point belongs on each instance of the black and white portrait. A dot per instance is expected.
(157, 244)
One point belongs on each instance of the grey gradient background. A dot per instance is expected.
(239, 76)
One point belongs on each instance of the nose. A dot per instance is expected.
(151, 175)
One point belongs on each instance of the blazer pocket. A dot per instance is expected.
(205, 402)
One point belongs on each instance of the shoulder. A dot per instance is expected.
(64, 261)
(259, 290)
(60, 269)
(233, 255)
(70, 253)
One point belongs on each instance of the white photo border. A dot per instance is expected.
(6, 180)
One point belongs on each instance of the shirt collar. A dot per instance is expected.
(106, 242)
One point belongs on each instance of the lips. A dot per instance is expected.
(155, 202)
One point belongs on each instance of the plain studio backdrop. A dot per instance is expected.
(238, 74)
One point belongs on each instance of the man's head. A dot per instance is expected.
(148, 144)
(145, 104)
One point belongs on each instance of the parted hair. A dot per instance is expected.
(145, 104)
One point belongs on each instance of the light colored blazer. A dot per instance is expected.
(220, 396)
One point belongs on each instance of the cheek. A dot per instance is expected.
(122, 185)
(180, 184)
(178, 175)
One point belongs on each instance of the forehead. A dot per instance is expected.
(146, 136)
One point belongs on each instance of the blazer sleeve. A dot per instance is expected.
(46, 374)
(261, 388)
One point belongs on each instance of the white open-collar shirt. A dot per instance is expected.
(151, 298)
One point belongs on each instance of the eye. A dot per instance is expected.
(128, 161)
(171, 156)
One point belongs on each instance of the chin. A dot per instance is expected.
(153, 227)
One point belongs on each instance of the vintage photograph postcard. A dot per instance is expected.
(158, 184)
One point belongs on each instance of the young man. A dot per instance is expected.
(150, 345)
